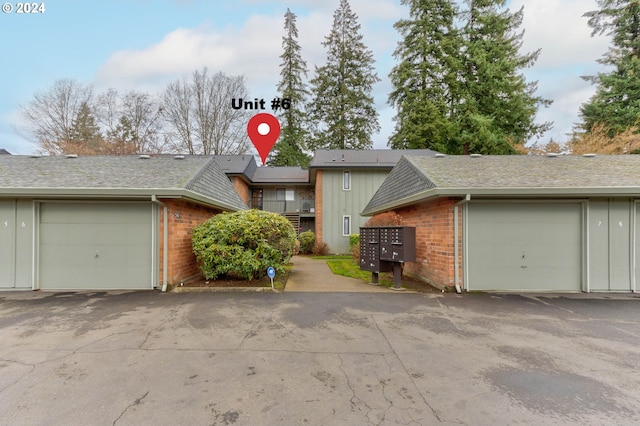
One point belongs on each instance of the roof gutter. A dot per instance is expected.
(165, 241)
(456, 254)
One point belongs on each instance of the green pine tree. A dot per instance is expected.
(616, 103)
(498, 105)
(342, 106)
(426, 74)
(85, 136)
(290, 149)
(458, 87)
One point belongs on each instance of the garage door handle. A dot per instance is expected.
(97, 254)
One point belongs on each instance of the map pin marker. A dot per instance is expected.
(263, 130)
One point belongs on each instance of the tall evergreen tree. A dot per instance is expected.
(290, 149)
(342, 105)
(498, 105)
(425, 75)
(471, 56)
(85, 136)
(616, 103)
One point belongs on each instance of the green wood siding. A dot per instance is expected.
(610, 239)
(338, 203)
(16, 244)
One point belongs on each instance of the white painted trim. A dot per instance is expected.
(350, 225)
(634, 245)
(586, 252)
(344, 181)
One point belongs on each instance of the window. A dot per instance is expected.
(284, 194)
(346, 226)
(256, 199)
(346, 180)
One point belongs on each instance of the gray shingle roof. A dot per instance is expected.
(200, 178)
(237, 164)
(417, 178)
(385, 158)
(281, 175)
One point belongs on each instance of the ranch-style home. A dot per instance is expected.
(520, 223)
(523, 223)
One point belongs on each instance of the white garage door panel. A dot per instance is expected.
(524, 246)
(95, 246)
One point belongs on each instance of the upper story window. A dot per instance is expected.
(283, 194)
(346, 180)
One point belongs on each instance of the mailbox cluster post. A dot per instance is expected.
(385, 249)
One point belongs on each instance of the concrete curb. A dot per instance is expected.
(224, 290)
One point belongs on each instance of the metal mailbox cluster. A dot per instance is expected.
(385, 248)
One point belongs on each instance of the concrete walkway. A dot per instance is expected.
(314, 275)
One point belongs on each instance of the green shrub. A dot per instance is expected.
(320, 249)
(354, 246)
(244, 244)
(353, 240)
(307, 240)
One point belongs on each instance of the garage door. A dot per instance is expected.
(524, 247)
(95, 246)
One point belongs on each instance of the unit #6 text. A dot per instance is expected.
(276, 103)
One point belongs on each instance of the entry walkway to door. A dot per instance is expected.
(314, 275)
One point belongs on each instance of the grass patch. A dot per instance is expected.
(347, 267)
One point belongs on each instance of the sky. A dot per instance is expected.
(144, 44)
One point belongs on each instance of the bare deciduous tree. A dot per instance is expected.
(49, 116)
(131, 122)
(200, 117)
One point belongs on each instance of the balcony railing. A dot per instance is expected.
(304, 207)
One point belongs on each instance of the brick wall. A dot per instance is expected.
(434, 241)
(318, 206)
(183, 217)
(242, 189)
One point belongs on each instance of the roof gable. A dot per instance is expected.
(403, 181)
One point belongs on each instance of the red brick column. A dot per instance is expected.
(183, 217)
(435, 262)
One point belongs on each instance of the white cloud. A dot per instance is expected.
(248, 50)
(558, 28)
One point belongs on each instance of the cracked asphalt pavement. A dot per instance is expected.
(146, 358)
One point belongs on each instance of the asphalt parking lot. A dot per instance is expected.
(139, 358)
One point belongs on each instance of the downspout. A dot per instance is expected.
(456, 255)
(165, 241)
